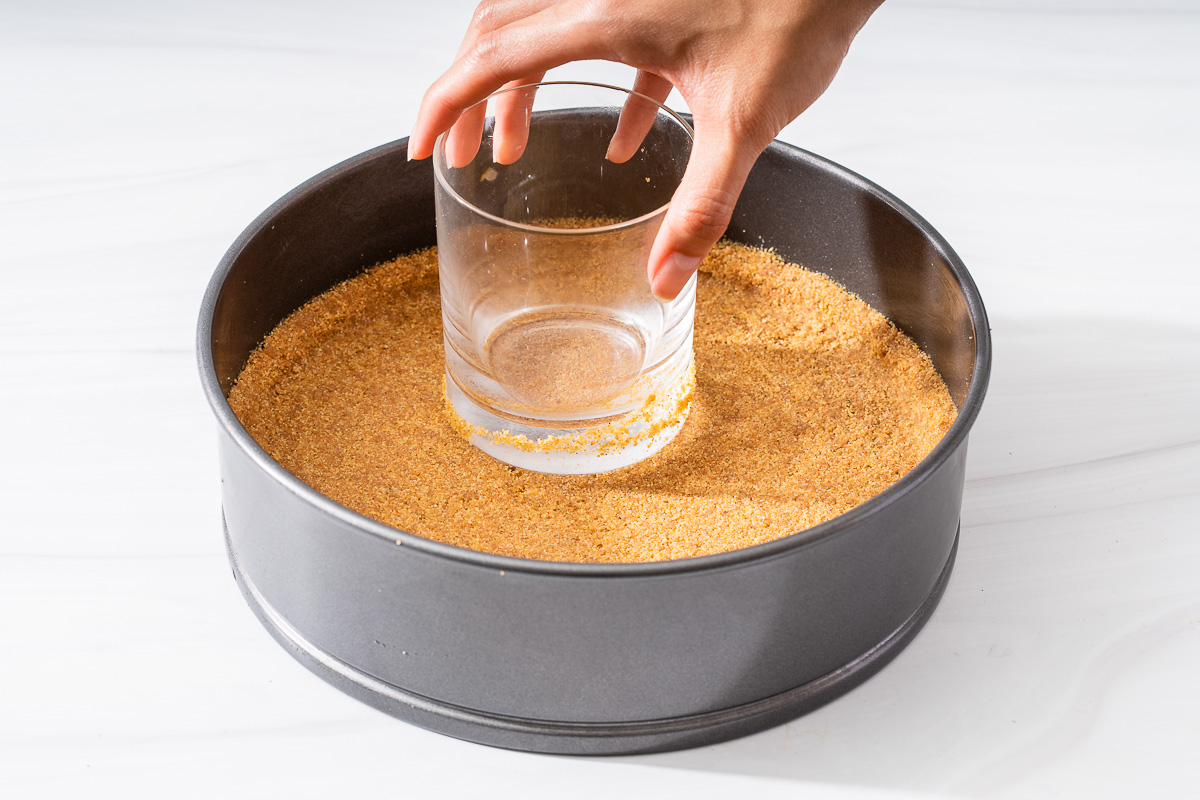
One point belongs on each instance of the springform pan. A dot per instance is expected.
(592, 658)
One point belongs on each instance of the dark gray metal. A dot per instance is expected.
(589, 658)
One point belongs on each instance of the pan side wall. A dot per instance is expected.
(567, 646)
(587, 649)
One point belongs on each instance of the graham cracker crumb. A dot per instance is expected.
(806, 403)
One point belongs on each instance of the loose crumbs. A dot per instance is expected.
(807, 403)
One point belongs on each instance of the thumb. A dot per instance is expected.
(700, 210)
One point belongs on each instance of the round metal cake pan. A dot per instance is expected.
(592, 658)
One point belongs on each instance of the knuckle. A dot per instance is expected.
(486, 56)
(486, 15)
(597, 10)
(706, 214)
(756, 132)
(602, 20)
(749, 122)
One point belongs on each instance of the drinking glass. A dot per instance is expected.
(559, 358)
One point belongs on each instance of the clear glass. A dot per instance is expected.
(558, 356)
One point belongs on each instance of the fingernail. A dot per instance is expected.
(673, 274)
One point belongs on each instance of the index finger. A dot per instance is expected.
(532, 45)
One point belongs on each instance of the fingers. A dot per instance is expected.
(637, 116)
(462, 140)
(700, 210)
(512, 110)
(525, 46)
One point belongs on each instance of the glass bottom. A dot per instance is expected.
(609, 445)
(565, 360)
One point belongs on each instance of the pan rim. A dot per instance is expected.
(733, 559)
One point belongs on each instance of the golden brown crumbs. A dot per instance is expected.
(807, 403)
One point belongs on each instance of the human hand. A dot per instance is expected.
(745, 67)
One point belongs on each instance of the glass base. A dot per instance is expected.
(572, 451)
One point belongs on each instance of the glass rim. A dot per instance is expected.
(439, 151)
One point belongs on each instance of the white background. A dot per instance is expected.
(1053, 144)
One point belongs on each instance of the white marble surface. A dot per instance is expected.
(1054, 144)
